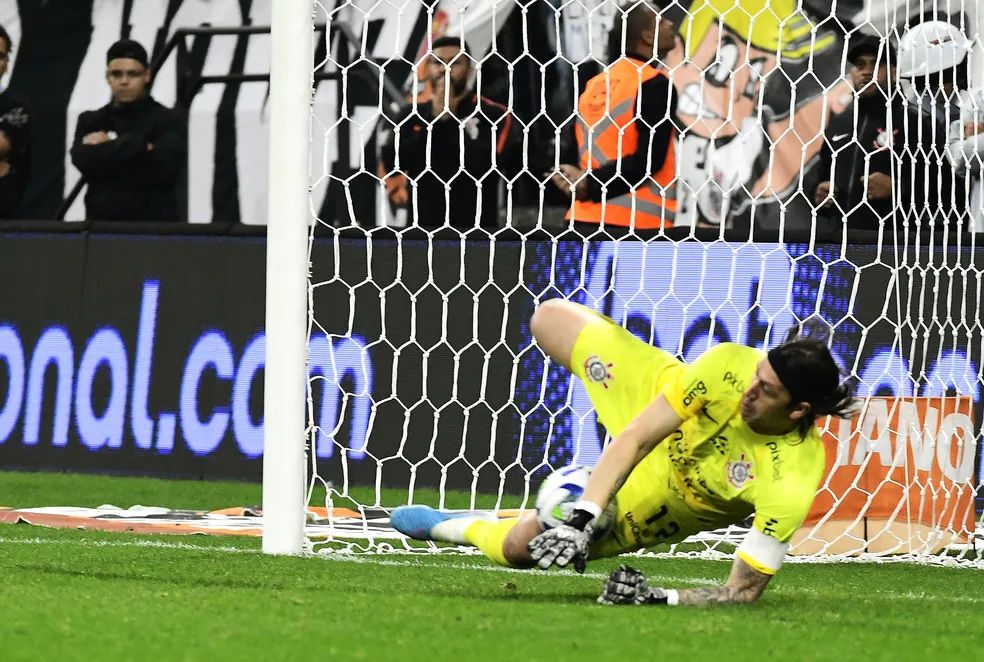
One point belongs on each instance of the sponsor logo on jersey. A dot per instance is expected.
(696, 389)
(739, 472)
(734, 382)
(634, 527)
(598, 371)
(776, 461)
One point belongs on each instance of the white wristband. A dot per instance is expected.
(588, 506)
(672, 597)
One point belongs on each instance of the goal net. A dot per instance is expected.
(425, 383)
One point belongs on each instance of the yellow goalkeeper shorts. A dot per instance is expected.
(650, 512)
(621, 373)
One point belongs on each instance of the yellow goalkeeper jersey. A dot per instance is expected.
(724, 470)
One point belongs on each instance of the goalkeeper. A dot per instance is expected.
(694, 447)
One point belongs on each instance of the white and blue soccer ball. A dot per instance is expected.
(558, 494)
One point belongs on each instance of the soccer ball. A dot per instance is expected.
(558, 494)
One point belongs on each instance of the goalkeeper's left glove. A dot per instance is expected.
(628, 586)
(565, 543)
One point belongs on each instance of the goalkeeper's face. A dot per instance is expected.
(766, 403)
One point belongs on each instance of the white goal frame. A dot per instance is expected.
(285, 381)
(289, 425)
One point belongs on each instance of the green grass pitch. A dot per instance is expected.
(82, 595)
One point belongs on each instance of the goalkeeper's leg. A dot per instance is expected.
(504, 541)
(649, 513)
(621, 373)
(556, 326)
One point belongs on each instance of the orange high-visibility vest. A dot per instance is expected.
(607, 130)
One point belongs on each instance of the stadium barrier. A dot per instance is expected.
(143, 353)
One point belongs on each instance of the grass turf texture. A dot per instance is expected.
(77, 595)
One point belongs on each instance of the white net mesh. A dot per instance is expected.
(426, 384)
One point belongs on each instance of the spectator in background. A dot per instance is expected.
(15, 141)
(872, 166)
(626, 132)
(132, 150)
(455, 147)
(935, 57)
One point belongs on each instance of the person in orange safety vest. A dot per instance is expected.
(626, 131)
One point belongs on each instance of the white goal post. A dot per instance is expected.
(400, 363)
(285, 385)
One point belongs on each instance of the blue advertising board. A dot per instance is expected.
(145, 355)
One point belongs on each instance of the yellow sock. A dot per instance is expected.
(490, 537)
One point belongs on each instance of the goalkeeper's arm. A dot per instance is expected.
(628, 586)
(745, 585)
(564, 544)
(757, 560)
(627, 449)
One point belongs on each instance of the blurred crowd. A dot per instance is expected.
(901, 152)
(904, 150)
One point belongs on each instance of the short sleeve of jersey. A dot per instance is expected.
(782, 508)
(696, 383)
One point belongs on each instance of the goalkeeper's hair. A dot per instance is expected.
(807, 369)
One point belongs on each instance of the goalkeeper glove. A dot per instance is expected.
(628, 586)
(565, 543)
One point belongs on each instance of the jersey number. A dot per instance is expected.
(670, 529)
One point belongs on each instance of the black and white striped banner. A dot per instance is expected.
(59, 66)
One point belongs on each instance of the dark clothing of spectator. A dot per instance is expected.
(15, 169)
(441, 157)
(861, 144)
(951, 201)
(134, 176)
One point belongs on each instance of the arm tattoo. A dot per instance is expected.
(619, 482)
(745, 585)
(709, 595)
(640, 456)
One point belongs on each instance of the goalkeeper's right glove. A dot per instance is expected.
(565, 543)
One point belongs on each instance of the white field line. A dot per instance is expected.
(376, 560)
